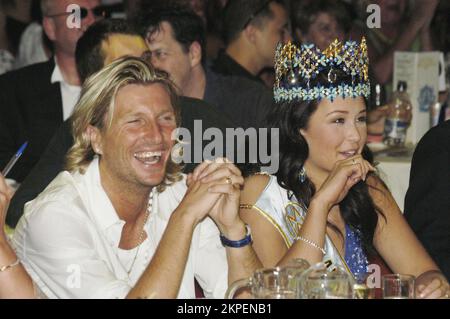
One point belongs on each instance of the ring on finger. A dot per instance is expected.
(229, 180)
(353, 161)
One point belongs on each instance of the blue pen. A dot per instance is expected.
(14, 159)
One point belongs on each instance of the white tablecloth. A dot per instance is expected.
(394, 168)
(396, 176)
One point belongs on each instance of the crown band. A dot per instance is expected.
(317, 93)
(296, 67)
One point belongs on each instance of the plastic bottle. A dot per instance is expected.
(398, 118)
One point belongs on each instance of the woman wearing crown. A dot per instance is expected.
(326, 202)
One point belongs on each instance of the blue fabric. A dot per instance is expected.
(355, 257)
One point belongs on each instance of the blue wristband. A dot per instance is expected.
(247, 240)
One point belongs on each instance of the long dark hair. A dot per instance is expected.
(357, 208)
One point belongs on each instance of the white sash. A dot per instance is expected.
(287, 216)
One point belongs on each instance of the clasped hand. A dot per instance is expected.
(214, 190)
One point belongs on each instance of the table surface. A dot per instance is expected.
(394, 166)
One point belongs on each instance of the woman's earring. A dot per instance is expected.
(302, 175)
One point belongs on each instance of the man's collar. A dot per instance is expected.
(107, 216)
(103, 210)
(56, 75)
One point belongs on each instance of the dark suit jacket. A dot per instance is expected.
(245, 102)
(30, 110)
(52, 161)
(226, 65)
(427, 202)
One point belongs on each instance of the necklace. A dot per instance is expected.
(141, 235)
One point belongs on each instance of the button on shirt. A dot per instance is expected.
(68, 240)
(69, 93)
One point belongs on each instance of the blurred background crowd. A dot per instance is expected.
(22, 41)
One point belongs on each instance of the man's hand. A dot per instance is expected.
(223, 179)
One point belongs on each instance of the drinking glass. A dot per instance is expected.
(361, 288)
(320, 283)
(294, 269)
(267, 283)
(398, 286)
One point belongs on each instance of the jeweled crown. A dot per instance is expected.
(296, 68)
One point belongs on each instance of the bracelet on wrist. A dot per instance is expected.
(312, 244)
(247, 240)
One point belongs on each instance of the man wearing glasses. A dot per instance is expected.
(252, 29)
(35, 100)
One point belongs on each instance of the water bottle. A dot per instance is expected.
(398, 118)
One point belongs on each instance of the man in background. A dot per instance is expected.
(34, 101)
(252, 29)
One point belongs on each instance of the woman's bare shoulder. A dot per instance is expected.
(253, 187)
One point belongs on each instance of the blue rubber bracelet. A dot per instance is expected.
(247, 240)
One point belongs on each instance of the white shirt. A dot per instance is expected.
(69, 93)
(69, 236)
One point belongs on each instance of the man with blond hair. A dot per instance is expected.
(103, 42)
(120, 222)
